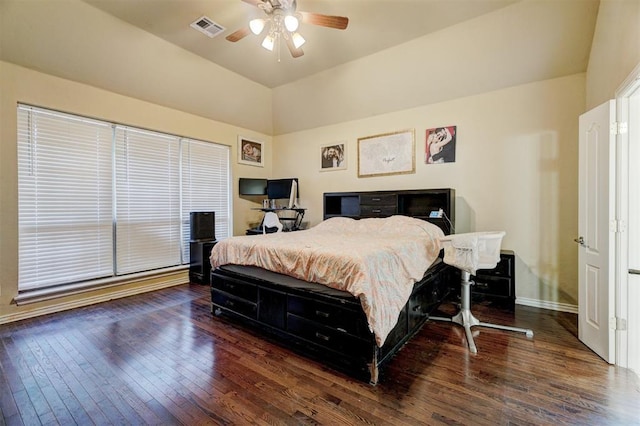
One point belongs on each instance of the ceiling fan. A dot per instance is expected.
(282, 21)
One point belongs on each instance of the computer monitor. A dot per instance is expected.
(252, 186)
(281, 188)
(293, 194)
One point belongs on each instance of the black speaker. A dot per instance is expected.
(203, 226)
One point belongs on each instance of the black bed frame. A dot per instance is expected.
(329, 325)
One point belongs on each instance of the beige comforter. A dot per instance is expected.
(376, 260)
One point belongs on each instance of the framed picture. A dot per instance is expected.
(333, 157)
(440, 146)
(387, 154)
(250, 152)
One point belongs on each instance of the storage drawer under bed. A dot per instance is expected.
(331, 338)
(338, 316)
(238, 288)
(234, 304)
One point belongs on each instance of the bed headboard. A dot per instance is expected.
(419, 203)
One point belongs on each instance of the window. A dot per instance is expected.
(99, 200)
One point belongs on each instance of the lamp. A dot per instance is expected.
(297, 39)
(256, 25)
(268, 42)
(291, 23)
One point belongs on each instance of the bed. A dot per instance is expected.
(348, 292)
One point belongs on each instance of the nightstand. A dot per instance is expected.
(199, 264)
(497, 285)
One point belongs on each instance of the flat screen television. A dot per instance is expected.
(250, 186)
(281, 188)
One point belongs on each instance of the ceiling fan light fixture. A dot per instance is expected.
(268, 42)
(284, 21)
(291, 23)
(298, 40)
(256, 26)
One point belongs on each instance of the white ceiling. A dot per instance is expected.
(374, 25)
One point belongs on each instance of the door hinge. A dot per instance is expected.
(622, 226)
(617, 226)
(619, 127)
(618, 324)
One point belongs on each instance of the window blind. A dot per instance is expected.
(147, 200)
(64, 198)
(97, 199)
(205, 170)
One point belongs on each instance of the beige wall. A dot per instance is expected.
(74, 40)
(615, 50)
(505, 48)
(517, 152)
(515, 170)
(19, 84)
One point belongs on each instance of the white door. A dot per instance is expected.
(596, 228)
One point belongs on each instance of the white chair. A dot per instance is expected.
(470, 252)
(271, 220)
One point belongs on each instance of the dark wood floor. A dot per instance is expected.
(160, 358)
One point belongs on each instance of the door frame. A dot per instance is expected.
(623, 94)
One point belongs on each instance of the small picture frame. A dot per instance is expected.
(440, 145)
(250, 152)
(333, 157)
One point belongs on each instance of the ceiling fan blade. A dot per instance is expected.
(296, 52)
(337, 22)
(239, 34)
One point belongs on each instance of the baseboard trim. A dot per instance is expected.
(92, 300)
(554, 306)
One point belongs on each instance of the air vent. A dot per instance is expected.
(207, 26)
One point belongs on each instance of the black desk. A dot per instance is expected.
(288, 223)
